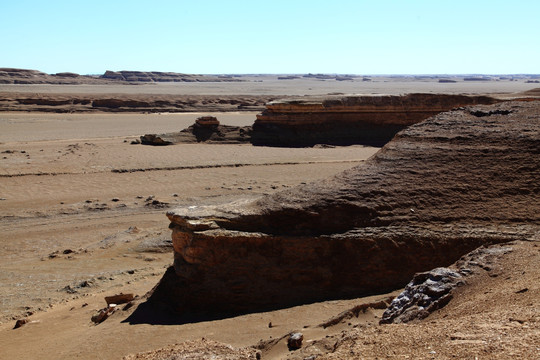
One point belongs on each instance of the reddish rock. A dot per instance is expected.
(21, 322)
(119, 299)
(207, 121)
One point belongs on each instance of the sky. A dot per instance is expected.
(272, 37)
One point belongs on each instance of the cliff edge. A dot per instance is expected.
(438, 190)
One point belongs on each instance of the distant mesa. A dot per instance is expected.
(289, 77)
(155, 76)
(477, 78)
(27, 77)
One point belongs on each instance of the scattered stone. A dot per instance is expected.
(69, 289)
(104, 314)
(294, 342)
(21, 322)
(86, 283)
(115, 199)
(157, 204)
(152, 139)
(67, 251)
(119, 299)
(427, 292)
(133, 230)
(481, 113)
(135, 142)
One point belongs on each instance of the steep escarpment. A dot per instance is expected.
(370, 119)
(440, 189)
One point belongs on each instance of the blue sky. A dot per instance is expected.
(215, 37)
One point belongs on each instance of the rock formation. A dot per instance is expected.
(346, 120)
(206, 129)
(158, 76)
(24, 76)
(61, 103)
(432, 290)
(438, 190)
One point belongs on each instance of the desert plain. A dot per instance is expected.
(82, 216)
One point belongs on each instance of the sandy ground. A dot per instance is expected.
(270, 85)
(68, 216)
(78, 222)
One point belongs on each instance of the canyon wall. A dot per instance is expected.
(346, 120)
(438, 190)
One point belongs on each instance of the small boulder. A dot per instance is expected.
(427, 292)
(119, 299)
(104, 314)
(294, 341)
(21, 322)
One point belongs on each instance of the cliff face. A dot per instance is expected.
(438, 190)
(372, 120)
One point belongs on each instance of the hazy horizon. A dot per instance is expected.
(294, 74)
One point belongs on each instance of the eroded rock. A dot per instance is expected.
(427, 292)
(346, 120)
(440, 189)
(294, 341)
(205, 129)
(119, 299)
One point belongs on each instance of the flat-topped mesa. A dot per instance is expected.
(438, 190)
(346, 120)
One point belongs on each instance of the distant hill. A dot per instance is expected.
(24, 76)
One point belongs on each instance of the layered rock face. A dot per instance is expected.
(438, 190)
(62, 103)
(371, 119)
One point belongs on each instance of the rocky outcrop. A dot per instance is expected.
(438, 190)
(206, 129)
(432, 290)
(427, 292)
(346, 120)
